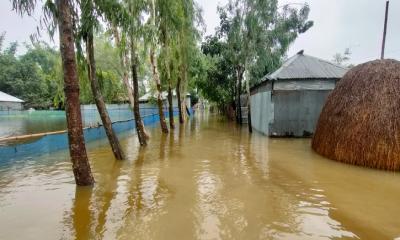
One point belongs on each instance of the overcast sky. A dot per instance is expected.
(338, 24)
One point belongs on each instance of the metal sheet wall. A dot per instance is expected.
(262, 111)
(304, 84)
(297, 112)
(6, 106)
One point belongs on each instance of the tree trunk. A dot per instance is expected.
(136, 110)
(249, 118)
(98, 97)
(249, 107)
(170, 107)
(124, 64)
(156, 78)
(178, 96)
(77, 148)
(183, 94)
(169, 68)
(239, 75)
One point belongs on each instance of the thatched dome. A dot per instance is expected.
(360, 122)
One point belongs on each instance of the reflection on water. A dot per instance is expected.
(207, 180)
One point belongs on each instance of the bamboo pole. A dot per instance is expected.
(28, 136)
(37, 135)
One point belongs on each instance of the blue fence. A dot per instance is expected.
(50, 143)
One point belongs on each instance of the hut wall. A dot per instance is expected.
(296, 111)
(6, 106)
(306, 84)
(292, 108)
(262, 87)
(262, 111)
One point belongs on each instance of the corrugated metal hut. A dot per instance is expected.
(288, 101)
(8, 102)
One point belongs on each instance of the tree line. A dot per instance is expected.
(251, 41)
(157, 42)
(161, 31)
(36, 76)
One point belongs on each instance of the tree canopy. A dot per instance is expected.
(251, 41)
(36, 76)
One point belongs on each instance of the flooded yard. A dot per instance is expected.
(207, 180)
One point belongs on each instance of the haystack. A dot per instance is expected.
(360, 122)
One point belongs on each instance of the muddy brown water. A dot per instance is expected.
(207, 180)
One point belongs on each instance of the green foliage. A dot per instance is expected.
(109, 73)
(253, 38)
(37, 77)
(170, 26)
(217, 83)
(107, 55)
(170, 31)
(259, 34)
(30, 76)
(111, 87)
(271, 46)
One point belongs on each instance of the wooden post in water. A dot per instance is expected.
(384, 30)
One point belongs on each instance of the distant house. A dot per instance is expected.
(8, 102)
(148, 96)
(288, 101)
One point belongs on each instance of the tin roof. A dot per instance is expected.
(4, 97)
(302, 66)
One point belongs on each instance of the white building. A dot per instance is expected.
(8, 102)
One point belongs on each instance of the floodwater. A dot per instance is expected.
(28, 122)
(15, 123)
(207, 180)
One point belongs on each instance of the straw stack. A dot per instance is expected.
(360, 122)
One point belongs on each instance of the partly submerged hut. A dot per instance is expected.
(8, 102)
(360, 123)
(289, 101)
